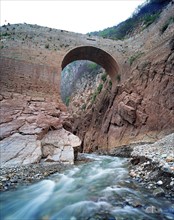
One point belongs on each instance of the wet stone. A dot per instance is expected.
(159, 183)
(152, 210)
(158, 192)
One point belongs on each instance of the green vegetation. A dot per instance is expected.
(67, 101)
(97, 92)
(165, 26)
(145, 15)
(135, 56)
(6, 34)
(110, 84)
(118, 78)
(150, 18)
(94, 97)
(92, 66)
(83, 107)
(47, 46)
(104, 77)
(99, 88)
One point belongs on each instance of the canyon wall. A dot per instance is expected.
(25, 77)
(140, 108)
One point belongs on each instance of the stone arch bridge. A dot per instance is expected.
(35, 65)
(94, 54)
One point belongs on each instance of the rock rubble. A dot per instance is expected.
(150, 164)
(13, 177)
(32, 129)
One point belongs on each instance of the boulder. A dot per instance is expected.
(60, 145)
(128, 113)
(19, 150)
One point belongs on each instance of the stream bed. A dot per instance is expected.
(97, 190)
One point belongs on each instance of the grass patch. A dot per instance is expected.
(165, 26)
(118, 78)
(150, 18)
(135, 57)
(97, 91)
(104, 77)
(67, 101)
(47, 46)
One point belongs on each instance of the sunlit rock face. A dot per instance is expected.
(60, 145)
(19, 150)
(80, 81)
(25, 123)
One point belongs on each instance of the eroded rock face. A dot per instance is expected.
(31, 129)
(140, 111)
(140, 108)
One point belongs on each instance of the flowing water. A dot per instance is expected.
(97, 190)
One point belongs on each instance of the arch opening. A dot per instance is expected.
(81, 77)
(93, 54)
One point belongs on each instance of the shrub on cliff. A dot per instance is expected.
(165, 26)
(144, 15)
(134, 57)
(67, 101)
(47, 46)
(97, 92)
(104, 77)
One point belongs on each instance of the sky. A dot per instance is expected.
(76, 16)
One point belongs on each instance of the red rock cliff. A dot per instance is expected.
(141, 107)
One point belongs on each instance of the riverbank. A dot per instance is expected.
(12, 178)
(152, 165)
(99, 189)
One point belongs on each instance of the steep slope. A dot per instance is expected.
(141, 106)
(77, 75)
(145, 15)
(33, 115)
(137, 106)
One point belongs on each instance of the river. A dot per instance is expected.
(97, 190)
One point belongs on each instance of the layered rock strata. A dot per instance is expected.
(140, 107)
(32, 129)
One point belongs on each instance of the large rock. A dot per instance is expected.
(60, 145)
(128, 113)
(19, 150)
(27, 120)
(7, 129)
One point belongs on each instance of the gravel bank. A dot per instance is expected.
(152, 165)
(11, 178)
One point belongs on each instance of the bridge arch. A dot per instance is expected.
(94, 54)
